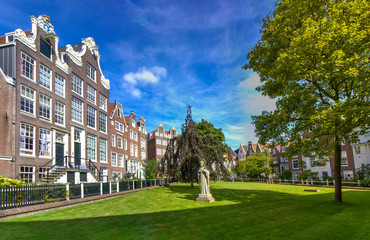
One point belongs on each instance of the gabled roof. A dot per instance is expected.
(254, 147)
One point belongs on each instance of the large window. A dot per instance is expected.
(103, 150)
(91, 147)
(159, 151)
(45, 77)
(59, 85)
(125, 142)
(114, 159)
(113, 141)
(158, 141)
(26, 174)
(344, 160)
(131, 149)
(27, 100)
(90, 94)
(77, 110)
(91, 72)
(120, 160)
(136, 153)
(131, 134)
(45, 48)
(103, 122)
(45, 106)
(135, 136)
(59, 113)
(77, 85)
(119, 127)
(27, 141)
(119, 142)
(91, 113)
(102, 102)
(28, 66)
(44, 143)
(43, 172)
(143, 145)
(295, 164)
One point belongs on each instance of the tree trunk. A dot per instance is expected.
(337, 170)
(192, 185)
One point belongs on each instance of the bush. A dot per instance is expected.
(307, 174)
(10, 182)
(365, 182)
(286, 174)
(327, 178)
(363, 172)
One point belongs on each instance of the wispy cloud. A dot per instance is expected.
(133, 81)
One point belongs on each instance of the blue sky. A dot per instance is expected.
(163, 55)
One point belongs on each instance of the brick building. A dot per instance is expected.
(158, 141)
(56, 109)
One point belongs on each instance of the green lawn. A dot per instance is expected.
(241, 211)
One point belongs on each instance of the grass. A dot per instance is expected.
(241, 211)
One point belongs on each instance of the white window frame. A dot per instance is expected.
(101, 152)
(91, 147)
(25, 92)
(131, 134)
(44, 106)
(44, 143)
(120, 160)
(343, 159)
(77, 85)
(77, 112)
(59, 85)
(119, 142)
(31, 136)
(102, 118)
(103, 102)
(91, 94)
(293, 161)
(28, 65)
(59, 114)
(91, 72)
(131, 149)
(125, 143)
(91, 117)
(24, 173)
(45, 77)
(114, 159)
(135, 135)
(136, 151)
(113, 140)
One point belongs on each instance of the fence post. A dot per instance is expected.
(110, 187)
(82, 190)
(67, 191)
(155, 182)
(101, 188)
(334, 182)
(117, 186)
(358, 182)
(307, 181)
(302, 181)
(133, 185)
(327, 182)
(311, 181)
(293, 181)
(141, 183)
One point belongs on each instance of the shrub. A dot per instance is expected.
(365, 182)
(10, 182)
(307, 174)
(286, 174)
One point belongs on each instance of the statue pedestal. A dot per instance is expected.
(205, 198)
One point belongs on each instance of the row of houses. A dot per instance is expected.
(56, 119)
(352, 157)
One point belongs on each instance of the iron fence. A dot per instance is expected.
(28, 195)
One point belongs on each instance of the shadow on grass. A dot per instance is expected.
(255, 215)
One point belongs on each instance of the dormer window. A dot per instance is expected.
(9, 38)
(133, 123)
(45, 49)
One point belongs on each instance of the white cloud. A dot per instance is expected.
(132, 81)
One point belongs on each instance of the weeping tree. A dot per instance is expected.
(184, 153)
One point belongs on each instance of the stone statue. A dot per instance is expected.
(203, 178)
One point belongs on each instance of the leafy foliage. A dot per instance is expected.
(151, 168)
(363, 172)
(313, 58)
(207, 128)
(255, 165)
(307, 174)
(10, 182)
(184, 153)
(286, 174)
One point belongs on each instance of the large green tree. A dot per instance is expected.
(184, 153)
(207, 128)
(313, 58)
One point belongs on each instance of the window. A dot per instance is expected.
(103, 122)
(27, 142)
(119, 127)
(312, 161)
(45, 106)
(28, 66)
(91, 112)
(143, 143)
(91, 147)
(131, 134)
(119, 142)
(104, 174)
(43, 172)
(77, 136)
(119, 112)
(117, 174)
(103, 150)
(143, 154)
(295, 164)
(136, 154)
(27, 99)
(59, 113)
(77, 85)
(90, 94)
(90, 72)
(26, 173)
(120, 160)
(77, 110)
(102, 102)
(114, 159)
(131, 149)
(135, 136)
(45, 77)
(344, 160)
(45, 48)
(133, 123)
(159, 151)
(158, 141)
(125, 142)
(358, 150)
(59, 85)
(45, 144)
(164, 142)
(113, 140)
